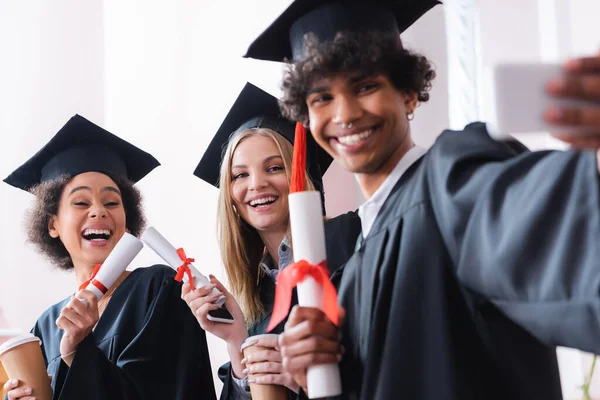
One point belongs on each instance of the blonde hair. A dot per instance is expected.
(241, 247)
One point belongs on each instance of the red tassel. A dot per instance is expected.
(299, 160)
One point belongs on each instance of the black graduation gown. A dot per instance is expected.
(483, 258)
(147, 345)
(341, 234)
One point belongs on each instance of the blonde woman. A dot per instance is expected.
(253, 220)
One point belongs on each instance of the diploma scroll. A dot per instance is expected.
(115, 264)
(165, 250)
(308, 240)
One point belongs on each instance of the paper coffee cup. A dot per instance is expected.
(22, 359)
(262, 392)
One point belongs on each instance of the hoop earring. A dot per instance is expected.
(410, 116)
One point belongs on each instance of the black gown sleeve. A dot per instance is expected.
(523, 230)
(341, 234)
(167, 359)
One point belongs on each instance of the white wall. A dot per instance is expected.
(52, 68)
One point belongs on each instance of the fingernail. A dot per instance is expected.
(13, 383)
(244, 360)
(557, 84)
(252, 380)
(27, 391)
(572, 65)
(555, 114)
(245, 371)
(205, 287)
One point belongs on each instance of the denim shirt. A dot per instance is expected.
(286, 257)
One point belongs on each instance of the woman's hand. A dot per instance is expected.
(77, 321)
(310, 338)
(268, 362)
(16, 391)
(201, 301)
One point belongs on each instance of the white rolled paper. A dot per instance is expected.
(115, 264)
(308, 241)
(165, 250)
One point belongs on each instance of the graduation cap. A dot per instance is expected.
(82, 146)
(284, 39)
(255, 108)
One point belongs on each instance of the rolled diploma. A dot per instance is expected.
(165, 250)
(308, 241)
(115, 264)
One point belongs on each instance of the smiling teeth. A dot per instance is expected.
(96, 232)
(264, 200)
(353, 139)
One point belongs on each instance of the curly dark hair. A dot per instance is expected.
(48, 196)
(372, 53)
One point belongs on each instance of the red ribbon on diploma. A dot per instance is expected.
(94, 282)
(184, 268)
(289, 277)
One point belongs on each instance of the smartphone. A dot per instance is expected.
(519, 99)
(221, 314)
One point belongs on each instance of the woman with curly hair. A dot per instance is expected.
(477, 257)
(139, 341)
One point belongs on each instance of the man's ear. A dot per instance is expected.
(411, 100)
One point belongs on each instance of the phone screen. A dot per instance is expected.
(221, 314)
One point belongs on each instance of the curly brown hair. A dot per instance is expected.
(48, 196)
(372, 53)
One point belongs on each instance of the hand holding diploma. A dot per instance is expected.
(309, 272)
(310, 338)
(81, 315)
(78, 321)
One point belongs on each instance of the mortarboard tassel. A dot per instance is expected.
(299, 160)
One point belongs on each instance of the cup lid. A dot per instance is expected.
(17, 341)
(247, 342)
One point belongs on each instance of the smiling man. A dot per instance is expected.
(476, 257)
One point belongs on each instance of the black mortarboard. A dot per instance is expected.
(284, 39)
(82, 146)
(252, 109)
